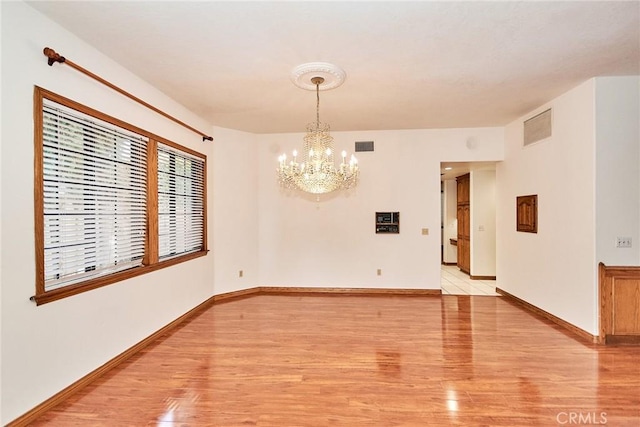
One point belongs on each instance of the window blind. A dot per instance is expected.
(180, 202)
(95, 181)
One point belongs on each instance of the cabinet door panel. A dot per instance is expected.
(460, 215)
(466, 221)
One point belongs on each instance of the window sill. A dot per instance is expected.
(99, 282)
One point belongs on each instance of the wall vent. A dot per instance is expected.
(537, 127)
(364, 146)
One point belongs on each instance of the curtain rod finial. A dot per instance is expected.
(53, 56)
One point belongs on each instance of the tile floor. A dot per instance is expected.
(455, 282)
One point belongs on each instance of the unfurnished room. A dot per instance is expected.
(320, 213)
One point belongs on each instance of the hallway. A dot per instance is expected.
(455, 282)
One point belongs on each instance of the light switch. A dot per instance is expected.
(425, 231)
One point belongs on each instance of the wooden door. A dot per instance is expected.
(464, 223)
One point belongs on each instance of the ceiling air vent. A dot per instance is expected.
(537, 127)
(364, 146)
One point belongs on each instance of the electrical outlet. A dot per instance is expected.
(240, 273)
(379, 272)
(623, 242)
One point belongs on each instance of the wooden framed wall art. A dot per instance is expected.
(527, 213)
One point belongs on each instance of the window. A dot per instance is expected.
(112, 201)
(94, 179)
(180, 202)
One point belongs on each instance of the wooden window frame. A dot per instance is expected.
(150, 261)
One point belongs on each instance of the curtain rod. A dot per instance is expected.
(56, 57)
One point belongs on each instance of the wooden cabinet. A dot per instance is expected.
(619, 304)
(464, 223)
(463, 189)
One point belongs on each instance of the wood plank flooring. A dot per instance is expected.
(364, 361)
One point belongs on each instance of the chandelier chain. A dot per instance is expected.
(318, 102)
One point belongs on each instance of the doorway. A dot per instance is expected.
(476, 276)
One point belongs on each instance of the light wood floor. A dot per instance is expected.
(364, 361)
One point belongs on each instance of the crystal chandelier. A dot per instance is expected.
(316, 172)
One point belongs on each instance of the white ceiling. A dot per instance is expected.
(409, 65)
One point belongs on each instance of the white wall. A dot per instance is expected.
(617, 169)
(483, 222)
(332, 243)
(587, 178)
(235, 214)
(450, 253)
(1, 227)
(555, 268)
(46, 348)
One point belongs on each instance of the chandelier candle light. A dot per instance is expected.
(317, 172)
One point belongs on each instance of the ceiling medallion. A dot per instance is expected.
(332, 75)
